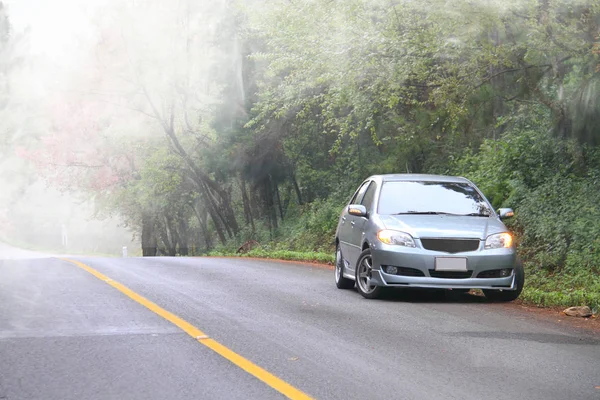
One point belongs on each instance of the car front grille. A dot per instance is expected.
(451, 245)
(450, 274)
(410, 272)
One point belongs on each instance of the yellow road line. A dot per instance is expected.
(276, 383)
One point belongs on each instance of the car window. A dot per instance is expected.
(459, 198)
(369, 196)
(357, 198)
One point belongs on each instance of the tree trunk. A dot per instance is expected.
(202, 216)
(278, 200)
(215, 214)
(149, 241)
(268, 200)
(173, 232)
(167, 238)
(183, 233)
(246, 203)
(296, 188)
(210, 208)
(218, 196)
(287, 198)
(202, 179)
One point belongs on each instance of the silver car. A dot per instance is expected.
(425, 231)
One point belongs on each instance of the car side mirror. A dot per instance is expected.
(358, 210)
(504, 213)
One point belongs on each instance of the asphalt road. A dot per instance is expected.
(65, 334)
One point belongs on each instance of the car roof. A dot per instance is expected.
(419, 177)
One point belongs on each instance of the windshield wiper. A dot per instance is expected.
(476, 215)
(441, 213)
(424, 213)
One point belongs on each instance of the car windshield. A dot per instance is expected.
(414, 197)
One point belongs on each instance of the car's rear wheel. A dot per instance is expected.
(364, 270)
(508, 295)
(340, 281)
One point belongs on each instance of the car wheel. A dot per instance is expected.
(508, 295)
(364, 268)
(340, 281)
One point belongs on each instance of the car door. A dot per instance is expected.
(358, 224)
(345, 226)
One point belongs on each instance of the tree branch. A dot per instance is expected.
(506, 71)
(76, 164)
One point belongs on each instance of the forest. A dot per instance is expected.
(204, 125)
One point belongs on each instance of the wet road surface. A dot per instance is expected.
(65, 334)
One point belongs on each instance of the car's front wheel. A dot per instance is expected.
(508, 295)
(364, 270)
(340, 281)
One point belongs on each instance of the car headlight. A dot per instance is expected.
(499, 241)
(398, 238)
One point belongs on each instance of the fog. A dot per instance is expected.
(115, 114)
(90, 88)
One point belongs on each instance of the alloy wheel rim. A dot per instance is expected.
(338, 268)
(364, 275)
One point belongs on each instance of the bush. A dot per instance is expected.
(310, 227)
(553, 186)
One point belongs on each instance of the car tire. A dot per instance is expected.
(363, 275)
(340, 281)
(508, 295)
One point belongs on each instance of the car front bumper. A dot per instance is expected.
(424, 261)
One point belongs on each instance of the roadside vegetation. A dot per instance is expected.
(264, 131)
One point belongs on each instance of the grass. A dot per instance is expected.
(307, 256)
(565, 298)
(566, 288)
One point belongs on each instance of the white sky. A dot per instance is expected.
(57, 26)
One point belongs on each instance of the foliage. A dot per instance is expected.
(259, 123)
(553, 188)
(307, 228)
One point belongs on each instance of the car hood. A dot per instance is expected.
(444, 226)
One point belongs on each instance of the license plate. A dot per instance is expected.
(450, 264)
